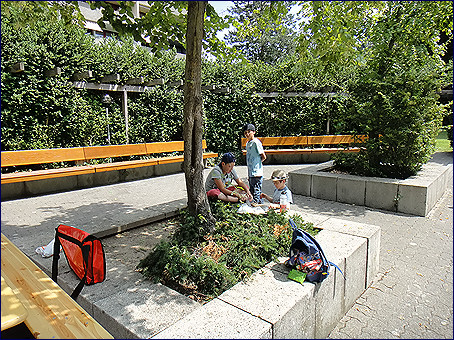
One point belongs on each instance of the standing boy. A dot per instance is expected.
(255, 155)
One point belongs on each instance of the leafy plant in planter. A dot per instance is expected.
(394, 100)
(205, 265)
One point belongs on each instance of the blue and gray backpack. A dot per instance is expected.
(307, 256)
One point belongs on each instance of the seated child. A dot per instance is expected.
(279, 178)
(219, 183)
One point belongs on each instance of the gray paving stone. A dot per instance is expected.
(371, 233)
(218, 320)
(284, 303)
(351, 189)
(143, 310)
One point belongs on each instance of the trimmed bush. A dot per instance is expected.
(205, 265)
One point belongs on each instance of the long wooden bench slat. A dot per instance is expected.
(278, 141)
(174, 159)
(13, 311)
(160, 147)
(52, 313)
(210, 155)
(23, 176)
(171, 159)
(106, 151)
(335, 139)
(41, 156)
(308, 140)
(334, 150)
(144, 162)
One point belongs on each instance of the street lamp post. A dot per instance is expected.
(107, 100)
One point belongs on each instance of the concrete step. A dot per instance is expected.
(416, 195)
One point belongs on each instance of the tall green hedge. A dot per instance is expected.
(48, 112)
(43, 112)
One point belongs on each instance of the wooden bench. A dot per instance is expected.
(13, 311)
(79, 155)
(310, 144)
(50, 312)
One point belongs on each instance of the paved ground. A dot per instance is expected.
(412, 297)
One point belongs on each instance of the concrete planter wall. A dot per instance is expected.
(415, 195)
(268, 305)
(271, 306)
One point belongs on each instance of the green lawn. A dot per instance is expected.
(442, 142)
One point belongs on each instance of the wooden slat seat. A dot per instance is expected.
(41, 156)
(145, 149)
(160, 147)
(89, 153)
(335, 139)
(306, 151)
(170, 159)
(207, 155)
(51, 312)
(311, 144)
(24, 176)
(13, 311)
(281, 141)
(334, 150)
(107, 151)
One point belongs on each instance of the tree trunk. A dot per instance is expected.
(193, 120)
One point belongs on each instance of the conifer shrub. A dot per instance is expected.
(203, 265)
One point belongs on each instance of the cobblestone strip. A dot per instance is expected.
(412, 296)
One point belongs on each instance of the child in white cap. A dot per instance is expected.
(279, 178)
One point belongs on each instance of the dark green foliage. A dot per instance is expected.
(258, 36)
(49, 112)
(156, 115)
(212, 263)
(392, 93)
(41, 112)
(280, 116)
(395, 101)
(37, 111)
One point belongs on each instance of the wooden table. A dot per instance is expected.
(51, 312)
(13, 311)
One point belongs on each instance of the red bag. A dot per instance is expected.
(84, 253)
